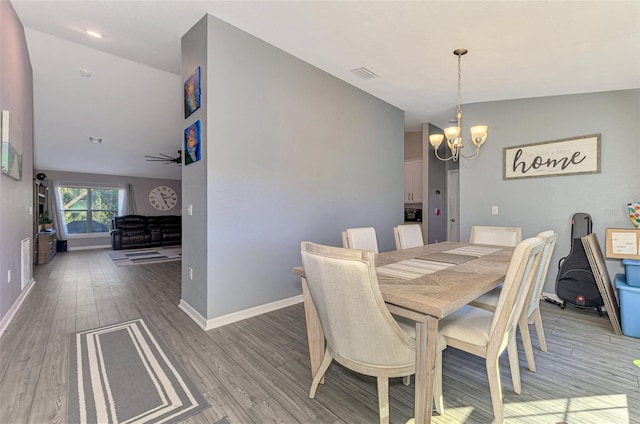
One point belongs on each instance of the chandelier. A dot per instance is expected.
(452, 134)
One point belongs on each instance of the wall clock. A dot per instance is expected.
(163, 198)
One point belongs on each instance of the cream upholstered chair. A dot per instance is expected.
(407, 236)
(360, 238)
(487, 334)
(360, 332)
(489, 300)
(497, 236)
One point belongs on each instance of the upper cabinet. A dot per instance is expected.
(413, 181)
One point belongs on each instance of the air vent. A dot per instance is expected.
(364, 73)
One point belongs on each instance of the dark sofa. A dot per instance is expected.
(134, 231)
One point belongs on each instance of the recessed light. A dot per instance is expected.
(85, 73)
(95, 140)
(94, 34)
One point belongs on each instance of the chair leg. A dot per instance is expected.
(495, 388)
(438, 398)
(324, 366)
(537, 320)
(512, 349)
(383, 399)
(526, 341)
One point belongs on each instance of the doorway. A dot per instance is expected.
(453, 202)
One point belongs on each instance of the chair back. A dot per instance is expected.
(549, 238)
(360, 238)
(520, 275)
(357, 325)
(497, 236)
(407, 236)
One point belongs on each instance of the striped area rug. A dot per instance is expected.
(145, 256)
(125, 373)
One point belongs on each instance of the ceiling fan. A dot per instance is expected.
(166, 158)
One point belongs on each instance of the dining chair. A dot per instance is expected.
(497, 236)
(489, 300)
(407, 236)
(360, 238)
(360, 332)
(486, 334)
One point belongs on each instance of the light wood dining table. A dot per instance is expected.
(462, 273)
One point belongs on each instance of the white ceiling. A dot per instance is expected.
(517, 49)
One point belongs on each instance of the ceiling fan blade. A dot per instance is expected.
(165, 158)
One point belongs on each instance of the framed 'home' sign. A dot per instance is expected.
(568, 156)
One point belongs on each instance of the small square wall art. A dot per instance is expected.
(192, 93)
(192, 146)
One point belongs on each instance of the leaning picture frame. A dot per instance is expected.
(567, 156)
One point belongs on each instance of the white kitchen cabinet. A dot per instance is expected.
(413, 181)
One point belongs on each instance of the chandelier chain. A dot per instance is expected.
(458, 111)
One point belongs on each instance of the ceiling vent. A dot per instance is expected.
(364, 73)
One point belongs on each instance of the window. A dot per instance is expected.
(89, 210)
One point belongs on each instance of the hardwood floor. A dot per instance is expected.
(257, 370)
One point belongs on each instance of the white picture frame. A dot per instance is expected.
(567, 156)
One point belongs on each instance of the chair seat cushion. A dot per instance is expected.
(490, 298)
(409, 327)
(469, 324)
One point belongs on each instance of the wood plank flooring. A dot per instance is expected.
(257, 371)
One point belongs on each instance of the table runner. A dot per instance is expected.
(412, 268)
(473, 250)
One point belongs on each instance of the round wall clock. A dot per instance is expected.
(163, 198)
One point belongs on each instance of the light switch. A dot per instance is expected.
(494, 210)
(190, 209)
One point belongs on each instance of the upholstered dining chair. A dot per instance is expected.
(489, 301)
(487, 334)
(497, 236)
(360, 238)
(360, 332)
(407, 236)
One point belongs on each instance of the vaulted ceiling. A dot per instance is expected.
(517, 49)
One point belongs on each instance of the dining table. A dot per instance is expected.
(425, 284)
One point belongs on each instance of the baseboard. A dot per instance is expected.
(100, 246)
(6, 320)
(193, 314)
(210, 324)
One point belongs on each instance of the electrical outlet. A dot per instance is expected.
(494, 210)
(190, 273)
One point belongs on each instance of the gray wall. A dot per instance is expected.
(412, 145)
(141, 188)
(536, 204)
(16, 197)
(194, 177)
(292, 154)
